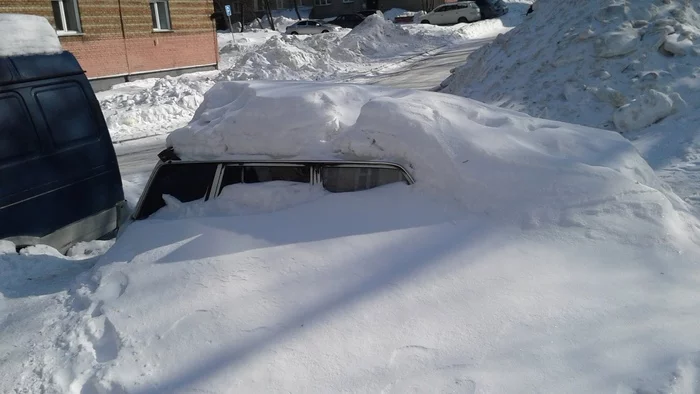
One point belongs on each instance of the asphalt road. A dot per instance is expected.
(428, 73)
(139, 156)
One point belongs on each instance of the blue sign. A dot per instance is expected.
(228, 9)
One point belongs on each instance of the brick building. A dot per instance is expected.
(122, 40)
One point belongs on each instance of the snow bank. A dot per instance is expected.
(557, 62)
(168, 103)
(27, 35)
(144, 108)
(391, 14)
(530, 255)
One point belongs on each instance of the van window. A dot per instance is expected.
(67, 114)
(17, 135)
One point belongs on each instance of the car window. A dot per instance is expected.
(193, 181)
(276, 173)
(67, 113)
(301, 24)
(186, 182)
(261, 173)
(350, 179)
(18, 137)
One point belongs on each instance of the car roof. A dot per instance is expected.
(16, 69)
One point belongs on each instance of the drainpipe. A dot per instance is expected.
(126, 53)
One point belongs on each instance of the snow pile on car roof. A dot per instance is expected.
(486, 158)
(27, 35)
(614, 64)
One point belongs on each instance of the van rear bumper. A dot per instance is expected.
(90, 228)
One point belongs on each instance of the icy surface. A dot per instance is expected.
(27, 35)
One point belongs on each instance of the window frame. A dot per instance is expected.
(215, 187)
(73, 7)
(36, 150)
(153, 7)
(322, 3)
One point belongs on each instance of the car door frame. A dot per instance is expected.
(474, 11)
(215, 185)
(438, 15)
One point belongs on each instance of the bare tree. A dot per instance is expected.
(296, 9)
(268, 12)
(427, 5)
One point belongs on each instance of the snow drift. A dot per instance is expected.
(612, 64)
(27, 35)
(527, 256)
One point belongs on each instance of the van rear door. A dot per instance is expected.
(59, 177)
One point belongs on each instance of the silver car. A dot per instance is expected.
(311, 27)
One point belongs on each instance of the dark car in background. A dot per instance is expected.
(491, 8)
(367, 13)
(348, 21)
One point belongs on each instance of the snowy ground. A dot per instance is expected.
(530, 256)
(631, 66)
(157, 106)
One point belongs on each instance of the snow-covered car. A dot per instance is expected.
(465, 12)
(447, 14)
(311, 27)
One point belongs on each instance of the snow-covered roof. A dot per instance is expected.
(27, 35)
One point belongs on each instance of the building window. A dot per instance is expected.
(160, 14)
(65, 13)
(322, 2)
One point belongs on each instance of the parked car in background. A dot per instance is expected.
(348, 21)
(448, 14)
(311, 27)
(367, 13)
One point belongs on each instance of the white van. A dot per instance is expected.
(451, 13)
